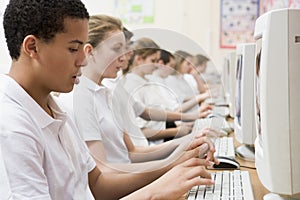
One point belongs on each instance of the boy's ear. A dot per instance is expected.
(160, 62)
(138, 59)
(88, 50)
(29, 46)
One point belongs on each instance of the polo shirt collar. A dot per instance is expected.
(91, 85)
(15, 92)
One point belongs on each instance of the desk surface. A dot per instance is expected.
(258, 189)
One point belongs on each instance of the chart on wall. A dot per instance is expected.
(267, 5)
(135, 11)
(237, 21)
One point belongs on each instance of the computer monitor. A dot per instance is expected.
(224, 77)
(229, 80)
(277, 99)
(244, 126)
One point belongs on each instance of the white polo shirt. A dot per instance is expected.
(146, 92)
(95, 121)
(180, 86)
(125, 108)
(45, 158)
(5, 191)
(162, 94)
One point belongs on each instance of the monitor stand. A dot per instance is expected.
(245, 152)
(272, 196)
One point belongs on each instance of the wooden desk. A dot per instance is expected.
(258, 189)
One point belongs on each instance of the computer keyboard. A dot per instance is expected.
(224, 147)
(218, 123)
(229, 185)
(219, 101)
(221, 111)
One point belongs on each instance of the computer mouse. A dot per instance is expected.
(226, 163)
(211, 115)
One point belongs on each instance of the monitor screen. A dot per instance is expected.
(238, 78)
(244, 125)
(257, 84)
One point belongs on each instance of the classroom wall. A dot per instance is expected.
(195, 22)
(198, 20)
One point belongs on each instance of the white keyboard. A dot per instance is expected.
(229, 185)
(219, 101)
(218, 123)
(224, 147)
(220, 111)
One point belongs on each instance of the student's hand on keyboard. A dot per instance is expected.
(180, 179)
(205, 107)
(208, 152)
(211, 132)
(183, 130)
(205, 110)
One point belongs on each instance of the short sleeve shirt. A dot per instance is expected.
(45, 157)
(95, 121)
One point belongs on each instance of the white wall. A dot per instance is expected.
(194, 25)
(4, 55)
(193, 21)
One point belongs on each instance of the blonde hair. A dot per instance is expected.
(199, 59)
(100, 25)
(180, 56)
(143, 47)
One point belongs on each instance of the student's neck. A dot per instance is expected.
(139, 73)
(159, 74)
(30, 84)
(92, 76)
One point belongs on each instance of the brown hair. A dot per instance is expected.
(143, 47)
(199, 59)
(180, 56)
(100, 25)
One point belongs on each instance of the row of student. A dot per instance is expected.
(119, 98)
(43, 154)
(101, 120)
(153, 90)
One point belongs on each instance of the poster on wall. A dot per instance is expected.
(237, 21)
(135, 11)
(267, 5)
(294, 3)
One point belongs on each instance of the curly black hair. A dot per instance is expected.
(41, 18)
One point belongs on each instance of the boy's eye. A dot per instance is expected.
(117, 49)
(72, 50)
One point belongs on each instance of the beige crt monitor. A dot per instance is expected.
(244, 126)
(229, 80)
(277, 99)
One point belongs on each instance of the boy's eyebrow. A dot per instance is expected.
(76, 41)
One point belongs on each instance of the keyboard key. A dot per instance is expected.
(229, 185)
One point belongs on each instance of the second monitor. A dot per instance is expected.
(244, 124)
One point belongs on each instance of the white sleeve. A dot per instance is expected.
(138, 107)
(5, 190)
(86, 117)
(19, 138)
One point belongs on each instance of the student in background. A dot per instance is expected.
(200, 63)
(42, 151)
(166, 67)
(133, 108)
(108, 140)
(179, 84)
(143, 62)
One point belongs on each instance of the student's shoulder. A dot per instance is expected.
(17, 119)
